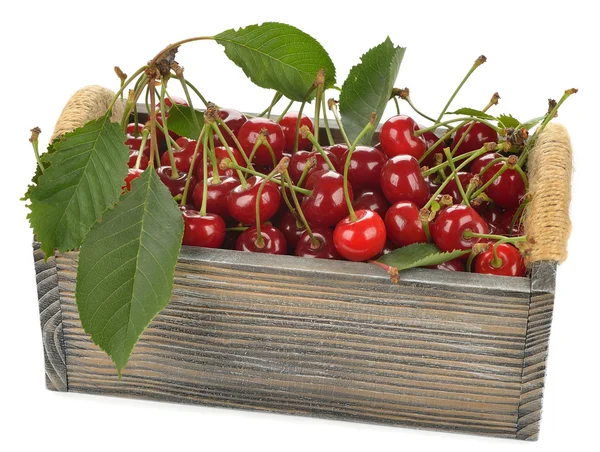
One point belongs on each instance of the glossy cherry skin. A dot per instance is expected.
(482, 161)
(403, 224)
(371, 199)
(132, 173)
(397, 137)
(288, 125)
(433, 181)
(452, 187)
(430, 139)
(291, 229)
(324, 250)
(365, 167)
(217, 194)
(183, 157)
(505, 220)
(274, 241)
(177, 185)
(450, 225)
(454, 265)
(299, 159)
(508, 189)
(401, 180)
(220, 155)
(241, 202)
(511, 264)
(338, 150)
(133, 155)
(326, 205)
(475, 139)
(199, 230)
(234, 120)
(361, 239)
(250, 132)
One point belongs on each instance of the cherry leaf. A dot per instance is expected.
(419, 255)
(472, 112)
(508, 121)
(181, 121)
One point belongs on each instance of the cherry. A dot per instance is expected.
(182, 157)
(173, 100)
(273, 240)
(365, 167)
(288, 125)
(452, 187)
(476, 137)
(504, 221)
(241, 202)
(403, 224)
(371, 199)
(133, 130)
(291, 229)
(216, 197)
(397, 137)
(482, 161)
(177, 185)
(136, 143)
(132, 173)
(220, 155)
(338, 150)
(326, 204)
(508, 189)
(249, 134)
(433, 181)
(234, 120)
(509, 262)
(203, 230)
(401, 180)
(430, 139)
(133, 156)
(454, 265)
(160, 136)
(324, 250)
(362, 238)
(299, 159)
(450, 225)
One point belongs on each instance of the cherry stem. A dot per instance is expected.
(153, 139)
(229, 151)
(397, 105)
(237, 229)
(188, 179)
(131, 103)
(370, 125)
(260, 243)
(213, 160)
(326, 121)
(298, 122)
(336, 115)
(472, 256)
(233, 137)
(314, 242)
(455, 176)
(491, 181)
(259, 142)
(205, 171)
(424, 217)
(124, 85)
(138, 160)
(478, 62)
(487, 167)
(392, 271)
(493, 101)
(35, 133)
(268, 145)
(318, 112)
(285, 110)
(468, 234)
(267, 111)
(517, 215)
(465, 119)
(174, 172)
(195, 90)
(441, 166)
(311, 162)
(410, 102)
(313, 139)
(233, 165)
(519, 170)
(188, 97)
(441, 140)
(175, 45)
(286, 199)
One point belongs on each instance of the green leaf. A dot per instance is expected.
(127, 265)
(84, 178)
(532, 122)
(419, 255)
(181, 121)
(279, 57)
(509, 121)
(472, 112)
(368, 87)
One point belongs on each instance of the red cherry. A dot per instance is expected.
(132, 173)
(324, 250)
(452, 187)
(361, 239)
(365, 167)
(250, 132)
(450, 225)
(371, 199)
(504, 221)
(430, 139)
(338, 150)
(291, 229)
(299, 159)
(401, 180)
(475, 139)
(482, 161)
(220, 155)
(508, 189)
(173, 99)
(510, 261)
(183, 157)
(288, 125)
(203, 230)
(133, 155)
(241, 202)
(397, 137)
(454, 265)
(133, 130)
(433, 182)
(326, 205)
(136, 143)
(234, 120)
(403, 224)
(216, 197)
(177, 185)
(274, 242)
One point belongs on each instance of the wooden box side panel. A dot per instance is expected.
(324, 340)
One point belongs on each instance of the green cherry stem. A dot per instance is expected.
(229, 151)
(201, 138)
(326, 121)
(484, 187)
(281, 166)
(205, 171)
(225, 127)
(493, 101)
(314, 242)
(397, 105)
(285, 110)
(131, 103)
(470, 234)
(465, 119)
(486, 168)
(305, 132)
(231, 164)
(145, 134)
(455, 176)
(404, 94)
(518, 213)
(332, 104)
(310, 163)
(153, 139)
(268, 145)
(267, 111)
(179, 74)
(117, 95)
(443, 165)
(213, 159)
(424, 215)
(165, 130)
(35, 134)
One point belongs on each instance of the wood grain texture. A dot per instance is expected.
(440, 350)
(50, 320)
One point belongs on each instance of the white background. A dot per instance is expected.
(535, 51)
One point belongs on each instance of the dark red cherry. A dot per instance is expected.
(326, 205)
(136, 143)
(291, 229)
(450, 225)
(508, 189)
(397, 137)
(216, 197)
(430, 139)
(474, 139)
(250, 132)
(505, 220)
(183, 157)
(338, 150)
(133, 130)
(509, 263)
(365, 167)
(371, 199)
(454, 265)
(452, 187)
(299, 159)
(361, 239)
(133, 156)
(433, 181)
(401, 180)
(273, 240)
(220, 155)
(203, 230)
(132, 173)
(288, 125)
(234, 120)
(241, 202)
(325, 249)
(403, 224)
(482, 161)
(176, 185)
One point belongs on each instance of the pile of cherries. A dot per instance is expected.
(271, 189)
